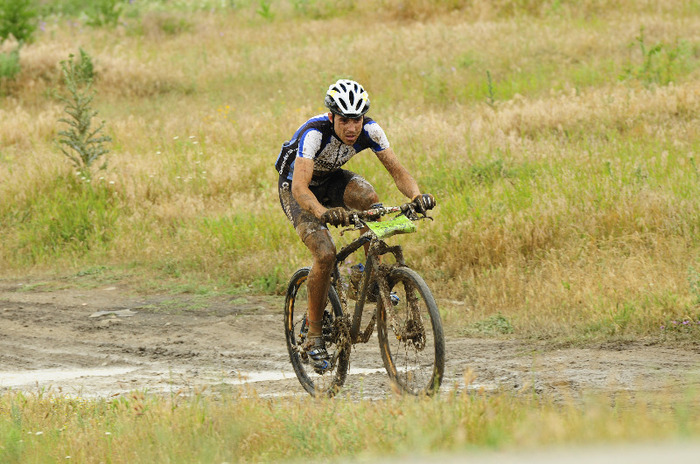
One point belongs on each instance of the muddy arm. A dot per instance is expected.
(303, 170)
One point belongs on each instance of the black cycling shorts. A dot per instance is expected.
(329, 193)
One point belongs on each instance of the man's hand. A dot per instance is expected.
(423, 202)
(336, 217)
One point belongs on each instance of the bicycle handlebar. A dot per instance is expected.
(358, 217)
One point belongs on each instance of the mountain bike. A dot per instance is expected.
(409, 328)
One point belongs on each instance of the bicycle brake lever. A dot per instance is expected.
(414, 215)
(411, 213)
(425, 216)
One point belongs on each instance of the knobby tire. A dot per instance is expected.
(410, 333)
(295, 325)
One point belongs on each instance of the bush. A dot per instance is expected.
(17, 19)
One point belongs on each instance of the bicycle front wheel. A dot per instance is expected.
(335, 334)
(410, 333)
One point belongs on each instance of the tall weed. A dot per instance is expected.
(82, 143)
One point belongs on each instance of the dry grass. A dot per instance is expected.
(567, 184)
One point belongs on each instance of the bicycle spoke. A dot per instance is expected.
(411, 335)
(296, 328)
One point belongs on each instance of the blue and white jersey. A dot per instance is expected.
(316, 140)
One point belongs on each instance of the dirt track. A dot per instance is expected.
(107, 341)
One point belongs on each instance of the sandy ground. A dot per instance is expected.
(109, 340)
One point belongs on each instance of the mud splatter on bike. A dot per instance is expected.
(409, 328)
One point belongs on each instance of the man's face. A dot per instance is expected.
(347, 129)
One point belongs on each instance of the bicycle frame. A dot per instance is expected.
(406, 317)
(377, 248)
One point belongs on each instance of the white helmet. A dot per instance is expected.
(347, 98)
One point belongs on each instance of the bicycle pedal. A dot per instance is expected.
(323, 367)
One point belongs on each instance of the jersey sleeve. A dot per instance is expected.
(309, 144)
(379, 141)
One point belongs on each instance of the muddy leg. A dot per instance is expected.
(322, 249)
(359, 194)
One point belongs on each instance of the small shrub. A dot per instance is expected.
(18, 19)
(83, 143)
(17, 24)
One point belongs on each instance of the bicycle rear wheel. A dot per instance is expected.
(335, 334)
(410, 334)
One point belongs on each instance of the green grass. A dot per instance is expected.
(66, 216)
(239, 427)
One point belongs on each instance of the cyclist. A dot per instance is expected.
(314, 190)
